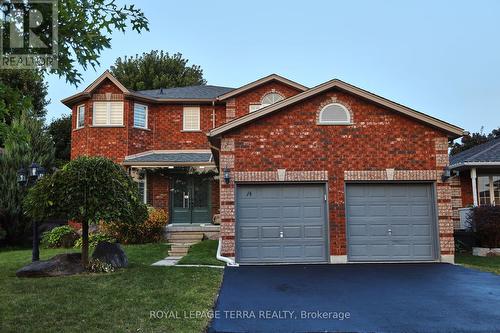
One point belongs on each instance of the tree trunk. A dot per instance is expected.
(85, 243)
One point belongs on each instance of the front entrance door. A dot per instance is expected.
(191, 200)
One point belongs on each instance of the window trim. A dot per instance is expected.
(146, 116)
(333, 122)
(491, 189)
(258, 105)
(78, 116)
(184, 129)
(108, 114)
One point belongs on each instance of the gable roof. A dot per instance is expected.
(272, 77)
(452, 130)
(68, 101)
(189, 92)
(487, 153)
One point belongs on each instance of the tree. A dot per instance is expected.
(60, 130)
(26, 141)
(20, 91)
(156, 69)
(474, 139)
(87, 190)
(84, 31)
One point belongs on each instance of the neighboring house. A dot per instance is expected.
(477, 179)
(328, 174)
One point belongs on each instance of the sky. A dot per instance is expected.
(438, 57)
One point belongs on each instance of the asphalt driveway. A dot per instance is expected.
(358, 298)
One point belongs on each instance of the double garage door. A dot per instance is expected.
(287, 223)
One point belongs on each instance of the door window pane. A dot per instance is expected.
(201, 193)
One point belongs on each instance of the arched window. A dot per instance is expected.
(270, 98)
(334, 114)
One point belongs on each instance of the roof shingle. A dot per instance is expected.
(486, 152)
(190, 92)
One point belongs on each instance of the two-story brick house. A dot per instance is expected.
(327, 174)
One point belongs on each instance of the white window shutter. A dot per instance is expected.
(116, 113)
(191, 118)
(140, 116)
(100, 117)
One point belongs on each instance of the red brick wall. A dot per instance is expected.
(158, 190)
(242, 101)
(378, 139)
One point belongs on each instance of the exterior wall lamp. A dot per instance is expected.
(227, 175)
(446, 174)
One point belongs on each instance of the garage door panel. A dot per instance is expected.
(404, 209)
(249, 233)
(270, 232)
(291, 221)
(314, 231)
(292, 232)
(313, 211)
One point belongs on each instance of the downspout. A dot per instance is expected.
(228, 261)
(213, 114)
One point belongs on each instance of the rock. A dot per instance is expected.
(111, 253)
(61, 264)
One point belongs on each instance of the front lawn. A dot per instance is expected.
(488, 264)
(114, 302)
(202, 253)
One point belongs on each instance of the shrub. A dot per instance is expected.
(63, 236)
(150, 231)
(485, 221)
(94, 239)
(98, 266)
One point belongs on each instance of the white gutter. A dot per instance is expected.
(228, 261)
(461, 164)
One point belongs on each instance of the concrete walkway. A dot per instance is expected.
(168, 261)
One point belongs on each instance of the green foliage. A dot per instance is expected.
(150, 231)
(60, 130)
(485, 222)
(21, 92)
(26, 141)
(474, 139)
(98, 266)
(63, 236)
(156, 69)
(87, 189)
(85, 29)
(94, 239)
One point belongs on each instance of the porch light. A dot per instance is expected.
(21, 175)
(227, 175)
(446, 174)
(33, 170)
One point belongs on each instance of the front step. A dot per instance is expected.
(181, 241)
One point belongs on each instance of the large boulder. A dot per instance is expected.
(111, 253)
(61, 264)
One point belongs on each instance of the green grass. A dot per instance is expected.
(487, 264)
(113, 302)
(202, 253)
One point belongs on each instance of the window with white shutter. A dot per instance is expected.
(191, 118)
(254, 107)
(108, 114)
(334, 114)
(140, 116)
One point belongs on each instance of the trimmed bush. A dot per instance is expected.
(150, 231)
(485, 221)
(94, 239)
(63, 236)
